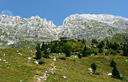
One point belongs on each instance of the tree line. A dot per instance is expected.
(81, 48)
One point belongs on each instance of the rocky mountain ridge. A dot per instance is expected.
(14, 29)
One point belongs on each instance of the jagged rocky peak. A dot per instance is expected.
(92, 26)
(104, 18)
(14, 29)
(43, 21)
(34, 20)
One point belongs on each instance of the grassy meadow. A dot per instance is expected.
(16, 65)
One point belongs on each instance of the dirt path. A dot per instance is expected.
(45, 75)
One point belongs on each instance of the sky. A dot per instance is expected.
(58, 10)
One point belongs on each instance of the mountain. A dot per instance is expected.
(17, 30)
(88, 26)
(14, 29)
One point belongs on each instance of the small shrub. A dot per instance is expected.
(79, 56)
(41, 62)
(94, 41)
(115, 73)
(38, 55)
(94, 67)
(62, 58)
(46, 54)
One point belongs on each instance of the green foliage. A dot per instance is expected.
(38, 47)
(38, 52)
(56, 47)
(41, 62)
(125, 46)
(94, 41)
(44, 46)
(79, 55)
(45, 54)
(94, 67)
(62, 58)
(67, 49)
(115, 73)
(125, 50)
(83, 41)
(100, 50)
(86, 52)
(38, 55)
(113, 46)
(86, 48)
(113, 63)
(100, 45)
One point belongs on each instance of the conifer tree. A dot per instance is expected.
(38, 52)
(115, 72)
(94, 67)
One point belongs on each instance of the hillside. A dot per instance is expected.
(16, 65)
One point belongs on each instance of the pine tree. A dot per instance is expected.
(67, 49)
(94, 67)
(38, 52)
(125, 46)
(79, 55)
(115, 72)
(125, 50)
(101, 45)
(94, 41)
(46, 53)
(84, 52)
(83, 41)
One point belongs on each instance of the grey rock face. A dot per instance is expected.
(14, 29)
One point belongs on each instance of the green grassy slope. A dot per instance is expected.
(76, 70)
(15, 66)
